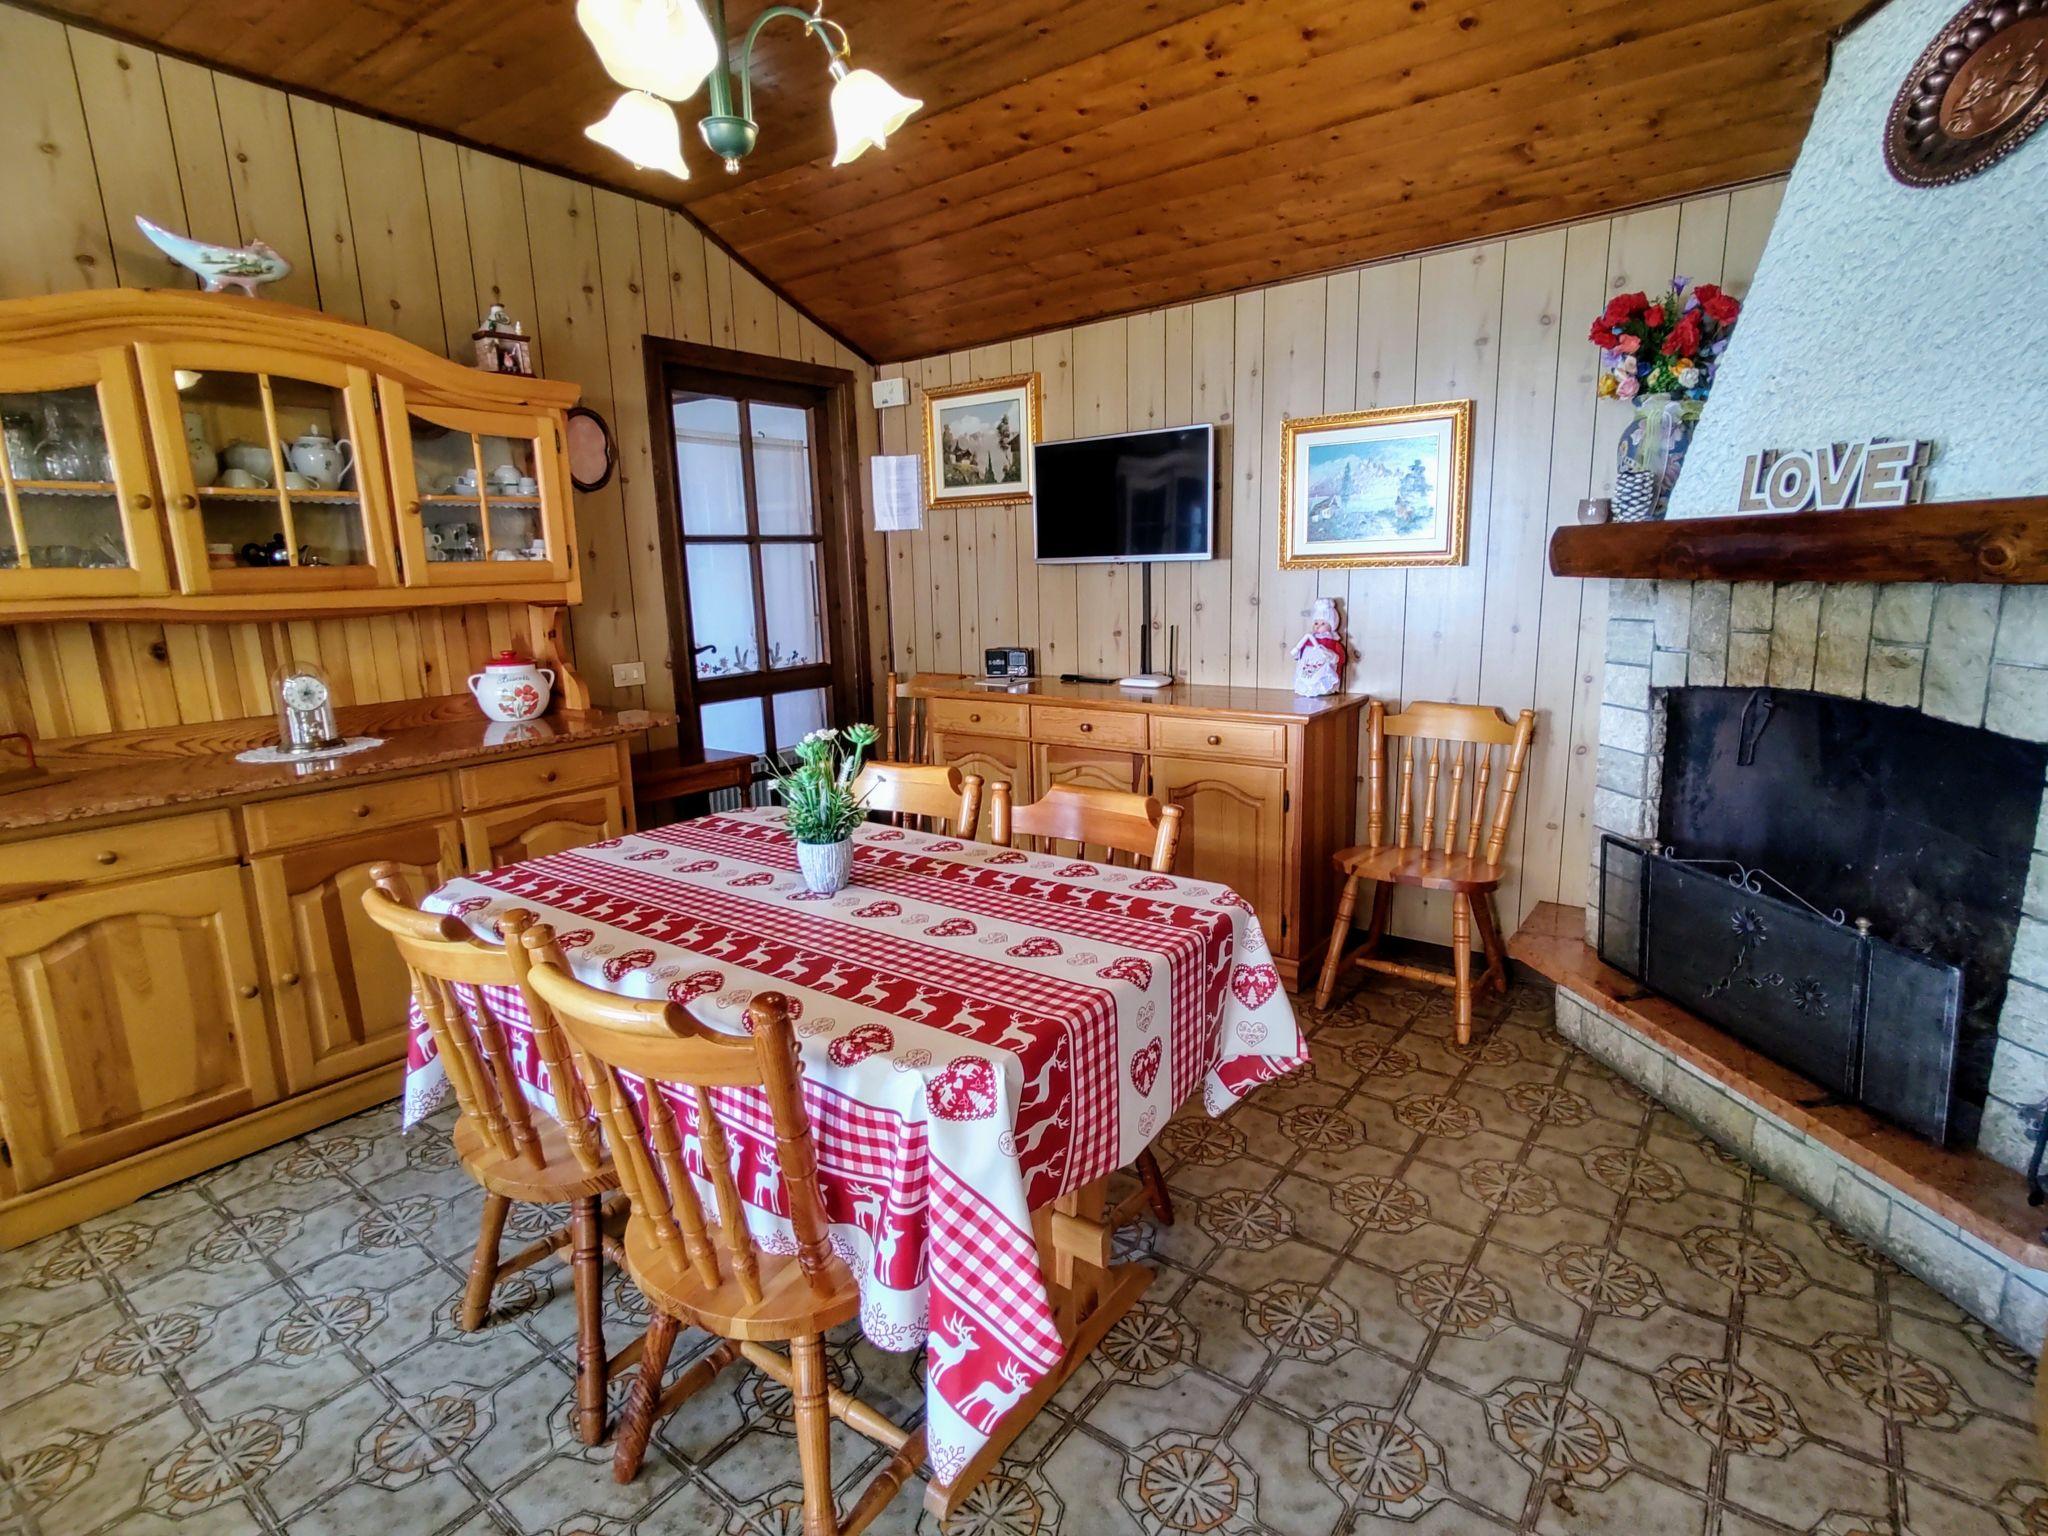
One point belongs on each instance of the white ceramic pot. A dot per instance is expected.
(251, 459)
(321, 459)
(205, 462)
(826, 866)
(511, 688)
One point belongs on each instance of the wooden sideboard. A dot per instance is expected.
(186, 971)
(1268, 780)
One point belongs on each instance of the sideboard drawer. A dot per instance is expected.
(525, 778)
(992, 717)
(345, 812)
(48, 864)
(1122, 730)
(1193, 736)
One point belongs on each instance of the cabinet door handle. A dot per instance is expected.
(248, 990)
(362, 810)
(1215, 741)
(974, 719)
(412, 508)
(549, 777)
(187, 501)
(1086, 727)
(144, 501)
(288, 979)
(108, 856)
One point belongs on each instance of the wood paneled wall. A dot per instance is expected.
(1501, 322)
(401, 230)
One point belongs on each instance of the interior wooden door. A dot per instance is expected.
(1235, 829)
(130, 1015)
(492, 839)
(341, 990)
(993, 757)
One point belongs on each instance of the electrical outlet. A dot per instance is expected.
(629, 674)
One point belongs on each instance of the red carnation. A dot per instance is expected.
(1623, 306)
(1684, 339)
(1600, 336)
(1654, 315)
(1720, 307)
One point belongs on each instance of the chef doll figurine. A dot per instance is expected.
(1319, 657)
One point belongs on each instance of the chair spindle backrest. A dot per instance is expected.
(441, 955)
(1457, 746)
(1125, 827)
(916, 795)
(902, 722)
(661, 1045)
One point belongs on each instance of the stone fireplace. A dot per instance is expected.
(1968, 656)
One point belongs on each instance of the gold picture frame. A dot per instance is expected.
(970, 405)
(1347, 500)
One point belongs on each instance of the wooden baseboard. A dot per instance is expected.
(39, 1212)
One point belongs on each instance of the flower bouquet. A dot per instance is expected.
(1660, 356)
(819, 805)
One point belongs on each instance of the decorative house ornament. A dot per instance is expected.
(1975, 95)
(219, 267)
(977, 442)
(1877, 473)
(1386, 487)
(502, 345)
(1319, 655)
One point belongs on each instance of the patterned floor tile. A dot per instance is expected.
(1429, 1290)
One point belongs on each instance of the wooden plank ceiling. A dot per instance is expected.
(1080, 158)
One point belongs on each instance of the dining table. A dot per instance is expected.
(986, 1035)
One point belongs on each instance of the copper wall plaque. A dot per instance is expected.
(1973, 97)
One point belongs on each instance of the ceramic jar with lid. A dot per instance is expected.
(511, 688)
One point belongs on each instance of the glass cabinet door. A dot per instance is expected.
(274, 468)
(78, 517)
(482, 495)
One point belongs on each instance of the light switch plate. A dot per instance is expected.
(888, 392)
(629, 674)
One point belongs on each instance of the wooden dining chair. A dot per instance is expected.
(902, 722)
(711, 1272)
(938, 799)
(1463, 741)
(1124, 827)
(514, 1154)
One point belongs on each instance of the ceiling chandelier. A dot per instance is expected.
(662, 50)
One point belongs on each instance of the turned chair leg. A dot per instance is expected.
(1496, 950)
(643, 1401)
(586, 1273)
(483, 1268)
(1461, 962)
(1154, 1180)
(813, 1434)
(1340, 935)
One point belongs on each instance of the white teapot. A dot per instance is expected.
(321, 459)
(511, 688)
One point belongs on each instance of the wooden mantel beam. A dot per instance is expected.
(1948, 541)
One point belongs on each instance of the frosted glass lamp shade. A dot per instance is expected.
(644, 131)
(662, 47)
(866, 109)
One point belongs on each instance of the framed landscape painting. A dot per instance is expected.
(977, 442)
(1387, 487)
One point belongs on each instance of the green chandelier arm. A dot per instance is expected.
(813, 23)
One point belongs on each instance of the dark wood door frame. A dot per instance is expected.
(721, 369)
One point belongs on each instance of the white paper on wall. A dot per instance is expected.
(899, 492)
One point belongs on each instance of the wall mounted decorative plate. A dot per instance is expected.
(591, 454)
(1976, 94)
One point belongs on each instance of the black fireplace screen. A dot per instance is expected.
(1864, 1019)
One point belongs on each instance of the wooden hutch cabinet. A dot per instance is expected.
(201, 487)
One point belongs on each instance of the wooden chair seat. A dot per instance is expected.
(791, 1303)
(1431, 869)
(557, 1182)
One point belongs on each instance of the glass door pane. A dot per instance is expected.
(480, 494)
(63, 509)
(722, 609)
(710, 477)
(794, 602)
(798, 714)
(733, 726)
(510, 487)
(782, 467)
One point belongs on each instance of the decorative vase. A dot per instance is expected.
(510, 688)
(826, 866)
(1654, 444)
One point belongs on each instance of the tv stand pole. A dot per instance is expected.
(1145, 677)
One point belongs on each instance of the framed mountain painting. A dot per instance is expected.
(1385, 487)
(977, 441)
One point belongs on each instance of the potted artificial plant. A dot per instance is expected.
(819, 805)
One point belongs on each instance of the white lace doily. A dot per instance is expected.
(343, 748)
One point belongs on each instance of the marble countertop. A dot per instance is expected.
(149, 780)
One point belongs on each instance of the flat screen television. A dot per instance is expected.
(1133, 496)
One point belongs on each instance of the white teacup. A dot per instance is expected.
(527, 485)
(294, 481)
(241, 480)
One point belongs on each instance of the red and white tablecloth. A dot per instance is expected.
(982, 1030)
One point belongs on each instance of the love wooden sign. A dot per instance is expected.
(1878, 472)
